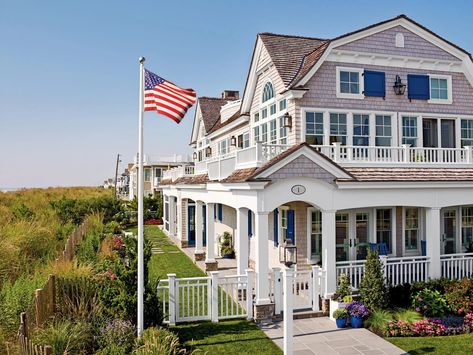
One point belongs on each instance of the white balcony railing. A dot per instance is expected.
(177, 172)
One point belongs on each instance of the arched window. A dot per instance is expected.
(268, 91)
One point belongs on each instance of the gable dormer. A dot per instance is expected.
(232, 105)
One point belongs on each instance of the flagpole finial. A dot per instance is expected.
(142, 60)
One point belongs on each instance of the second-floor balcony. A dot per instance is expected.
(221, 166)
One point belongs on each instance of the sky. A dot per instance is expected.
(69, 70)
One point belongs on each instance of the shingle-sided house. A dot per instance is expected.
(342, 145)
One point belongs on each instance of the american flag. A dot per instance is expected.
(167, 98)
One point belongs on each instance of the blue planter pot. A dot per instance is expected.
(341, 323)
(356, 322)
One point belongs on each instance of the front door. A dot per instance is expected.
(449, 232)
(191, 224)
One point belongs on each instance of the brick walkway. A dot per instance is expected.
(321, 336)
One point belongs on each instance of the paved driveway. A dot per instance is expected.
(321, 336)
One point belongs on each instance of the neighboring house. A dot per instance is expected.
(329, 149)
(153, 169)
(109, 183)
(123, 185)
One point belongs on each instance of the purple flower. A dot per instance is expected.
(357, 309)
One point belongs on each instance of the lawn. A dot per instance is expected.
(455, 344)
(229, 337)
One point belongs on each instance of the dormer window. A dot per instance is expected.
(349, 83)
(268, 92)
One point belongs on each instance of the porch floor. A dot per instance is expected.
(321, 336)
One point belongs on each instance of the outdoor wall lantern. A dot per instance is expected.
(288, 253)
(233, 141)
(194, 155)
(399, 87)
(287, 120)
(208, 152)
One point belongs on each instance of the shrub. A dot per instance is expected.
(226, 247)
(468, 321)
(400, 296)
(399, 329)
(407, 316)
(357, 309)
(118, 335)
(343, 289)
(430, 303)
(65, 337)
(459, 296)
(158, 341)
(378, 321)
(372, 290)
(340, 313)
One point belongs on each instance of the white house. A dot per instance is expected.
(341, 145)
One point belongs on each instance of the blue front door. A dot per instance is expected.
(191, 224)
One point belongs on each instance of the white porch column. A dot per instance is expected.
(242, 240)
(172, 217)
(262, 272)
(210, 262)
(179, 219)
(199, 224)
(328, 251)
(432, 237)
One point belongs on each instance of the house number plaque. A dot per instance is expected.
(298, 189)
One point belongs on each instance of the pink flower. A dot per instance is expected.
(417, 309)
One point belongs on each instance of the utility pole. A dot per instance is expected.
(116, 174)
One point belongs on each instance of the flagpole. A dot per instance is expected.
(140, 323)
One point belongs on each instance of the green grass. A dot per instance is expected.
(227, 337)
(454, 344)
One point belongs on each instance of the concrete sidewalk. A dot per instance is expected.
(321, 336)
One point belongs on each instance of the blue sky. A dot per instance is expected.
(69, 70)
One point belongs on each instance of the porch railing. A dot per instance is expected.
(457, 266)
(353, 269)
(403, 270)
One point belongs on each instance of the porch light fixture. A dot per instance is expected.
(233, 141)
(288, 253)
(194, 155)
(287, 118)
(399, 87)
(208, 152)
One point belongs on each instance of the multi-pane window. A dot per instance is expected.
(246, 140)
(256, 134)
(268, 92)
(349, 82)
(272, 109)
(409, 130)
(383, 227)
(264, 113)
(438, 89)
(361, 130)
(256, 117)
(283, 223)
(282, 104)
(147, 174)
(383, 131)
(223, 147)
(158, 172)
(411, 230)
(467, 226)
(466, 133)
(314, 128)
(273, 132)
(338, 128)
(264, 133)
(316, 236)
(282, 131)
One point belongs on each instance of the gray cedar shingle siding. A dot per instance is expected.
(302, 166)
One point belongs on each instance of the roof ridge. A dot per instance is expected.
(291, 36)
(212, 98)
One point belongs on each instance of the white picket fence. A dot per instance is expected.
(457, 266)
(206, 298)
(397, 271)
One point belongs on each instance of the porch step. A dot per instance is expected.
(302, 315)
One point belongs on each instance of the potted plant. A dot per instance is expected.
(342, 295)
(357, 312)
(226, 248)
(340, 315)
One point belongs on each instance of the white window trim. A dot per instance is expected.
(449, 89)
(280, 230)
(358, 96)
(418, 251)
(309, 236)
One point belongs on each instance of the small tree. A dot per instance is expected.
(343, 289)
(373, 290)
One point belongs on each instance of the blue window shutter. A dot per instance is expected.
(375, 83)
(250, 224)
(220, 213)
(290, 226)
(276, 227)
(418, 87)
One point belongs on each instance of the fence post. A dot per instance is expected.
(315, 288)
(39, 307)
(24, 324)
(288, 312)
(249, 294)
(48, 350)
(277, 290)
(214, 295)
(173, 302)
(384, 264)
(51, 295)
